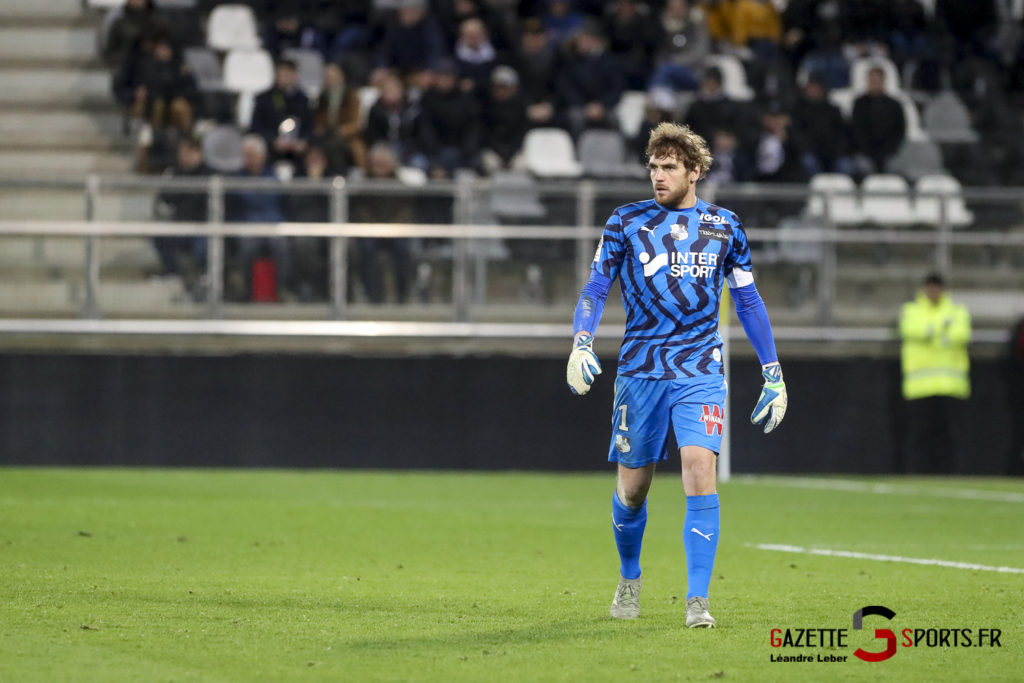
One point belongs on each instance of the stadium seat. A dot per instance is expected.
(916, 158)
(947, 120)
(839, 193)
(603, 154)
(205, 67)
(104, 4)
(915, 132)
(934, 189)
(410, 175)
(232, 27)
(734, 77)
(886, 200)
(311, 69)
(630, 112)
(549, 153)
(222, 149)
(249, 71)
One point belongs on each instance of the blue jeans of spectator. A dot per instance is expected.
(673, 77)
(170, 249)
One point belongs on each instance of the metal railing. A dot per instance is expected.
(468, 261)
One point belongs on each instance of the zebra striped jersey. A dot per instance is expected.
(672, 264)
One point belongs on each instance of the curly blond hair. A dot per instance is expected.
(674, 139)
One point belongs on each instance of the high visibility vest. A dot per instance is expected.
(934, 351)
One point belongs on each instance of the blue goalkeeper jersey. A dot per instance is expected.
(673, 264)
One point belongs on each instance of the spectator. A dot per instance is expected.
(684, 42)
(257, 206)
(309, 276)
(455, 12)
(184, 256)
(731, 162)
(136, 16)
(537, 62)
(561, 21)
(779, 157)
(821, 127)
(391, 120)
(505, 122)
(591, 81)
(757, 26)
(878, 125)
(827, 62)
(281, 115)
(286, 30)
(413, 40)
(632, 38)
(713, 109)
(448, 130)
(342, 27)
(475, 56)
(936, 382)
(382, 165)
(160, 92)
(336, 121)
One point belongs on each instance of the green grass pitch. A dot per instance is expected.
(172, 575)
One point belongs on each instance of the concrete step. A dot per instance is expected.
(48, 86)
(49, 43)
(62, 164)
(29, 204)
(37, 298)
(48, 257)
(41, 10)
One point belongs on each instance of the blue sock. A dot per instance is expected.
(700, 538)
(628, 524)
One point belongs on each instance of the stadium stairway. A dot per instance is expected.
(59, 121)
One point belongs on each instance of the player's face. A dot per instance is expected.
(674, 184)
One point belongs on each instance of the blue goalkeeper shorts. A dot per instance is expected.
(644, 408)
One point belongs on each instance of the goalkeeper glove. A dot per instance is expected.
(773, 400)
(583, 365)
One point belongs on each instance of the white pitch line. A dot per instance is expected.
(882, 489)
(888, 558)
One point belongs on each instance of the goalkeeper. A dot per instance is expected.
(672, 255)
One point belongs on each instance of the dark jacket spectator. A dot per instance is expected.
(877, 123)
(274, 107)
(731, 162)
(779, 155)
(633, 36)
(505, 120)
(591, 81)
(391, 120)
(123, 36)
(413, 41)
(713, 109)
(537, 61)
(475, 56)
(448, 129)
(824, 132)
(561, 20)
(183, 255)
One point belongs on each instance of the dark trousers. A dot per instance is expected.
(932, 434)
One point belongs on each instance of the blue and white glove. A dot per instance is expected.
(773, 400)
(583, 365)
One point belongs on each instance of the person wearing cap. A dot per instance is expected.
(505, 122)
(934, 332)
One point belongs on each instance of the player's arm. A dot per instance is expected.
(583, 366)
(750, 309)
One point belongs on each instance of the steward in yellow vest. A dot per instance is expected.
(935, 332)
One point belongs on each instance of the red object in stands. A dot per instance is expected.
(264, 280)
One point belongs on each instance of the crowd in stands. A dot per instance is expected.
(781, 89)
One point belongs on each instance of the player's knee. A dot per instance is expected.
(631, 494)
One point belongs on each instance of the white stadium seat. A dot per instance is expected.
(838, 192)
(549, 153)
(932, 190)
(734, 77)
(886, 200)
(232, 26)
